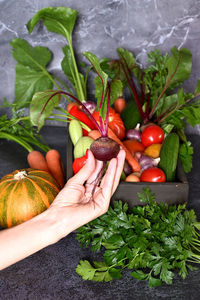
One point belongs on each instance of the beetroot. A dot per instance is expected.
(104, 148)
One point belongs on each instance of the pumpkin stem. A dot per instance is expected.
(20, 175)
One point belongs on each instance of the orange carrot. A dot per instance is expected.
(95, 134)
(36, 160)
(55, 165)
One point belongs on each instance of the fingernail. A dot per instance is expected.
(86, 154)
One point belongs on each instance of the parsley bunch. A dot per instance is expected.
(154, 241)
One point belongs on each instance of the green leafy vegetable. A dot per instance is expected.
(157, 90)
(31, 73)
(154, 241)
(62, 20)
(19, 129)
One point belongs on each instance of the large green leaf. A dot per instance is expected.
(42, 107)
(59, 19)
(179, 66)
(31, 73)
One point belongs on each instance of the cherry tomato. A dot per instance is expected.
(152, 134)
(114, 122)
(119, 105)
(153, 175)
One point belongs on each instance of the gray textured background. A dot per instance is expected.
(102, 26)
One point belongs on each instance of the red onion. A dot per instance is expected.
(134, 134)
(147, 162)
(90, 105)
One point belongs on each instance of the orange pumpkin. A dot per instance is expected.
(24, 194)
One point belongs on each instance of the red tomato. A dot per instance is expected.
(153, 175)
(152, 134)
(114, 122)
(78, 163)
(119, 105)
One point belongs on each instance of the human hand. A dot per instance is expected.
(78, 202)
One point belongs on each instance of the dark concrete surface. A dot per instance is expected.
(50, 273)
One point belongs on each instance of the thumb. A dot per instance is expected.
(86, 171)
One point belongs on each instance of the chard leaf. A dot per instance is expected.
(59, 19)
(41, 107)
(179, 66)
(129, 62)
(128, 57)
(31, 73)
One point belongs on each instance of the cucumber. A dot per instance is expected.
(169, 156)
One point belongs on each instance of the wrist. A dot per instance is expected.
(57, 224)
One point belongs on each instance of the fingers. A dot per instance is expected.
(95, 177)
(85, 172)
(115, 173)
(108, 179)
(99, 165)
(120, 166)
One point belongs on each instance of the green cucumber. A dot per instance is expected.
(169, 156)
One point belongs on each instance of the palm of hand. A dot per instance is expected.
(82, 200)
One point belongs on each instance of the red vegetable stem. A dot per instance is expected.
(133, 89)
(164, 89)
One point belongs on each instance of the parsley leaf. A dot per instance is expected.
(155, 241)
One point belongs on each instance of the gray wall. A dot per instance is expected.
(102, 26)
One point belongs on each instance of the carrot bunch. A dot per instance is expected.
(51, 163)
